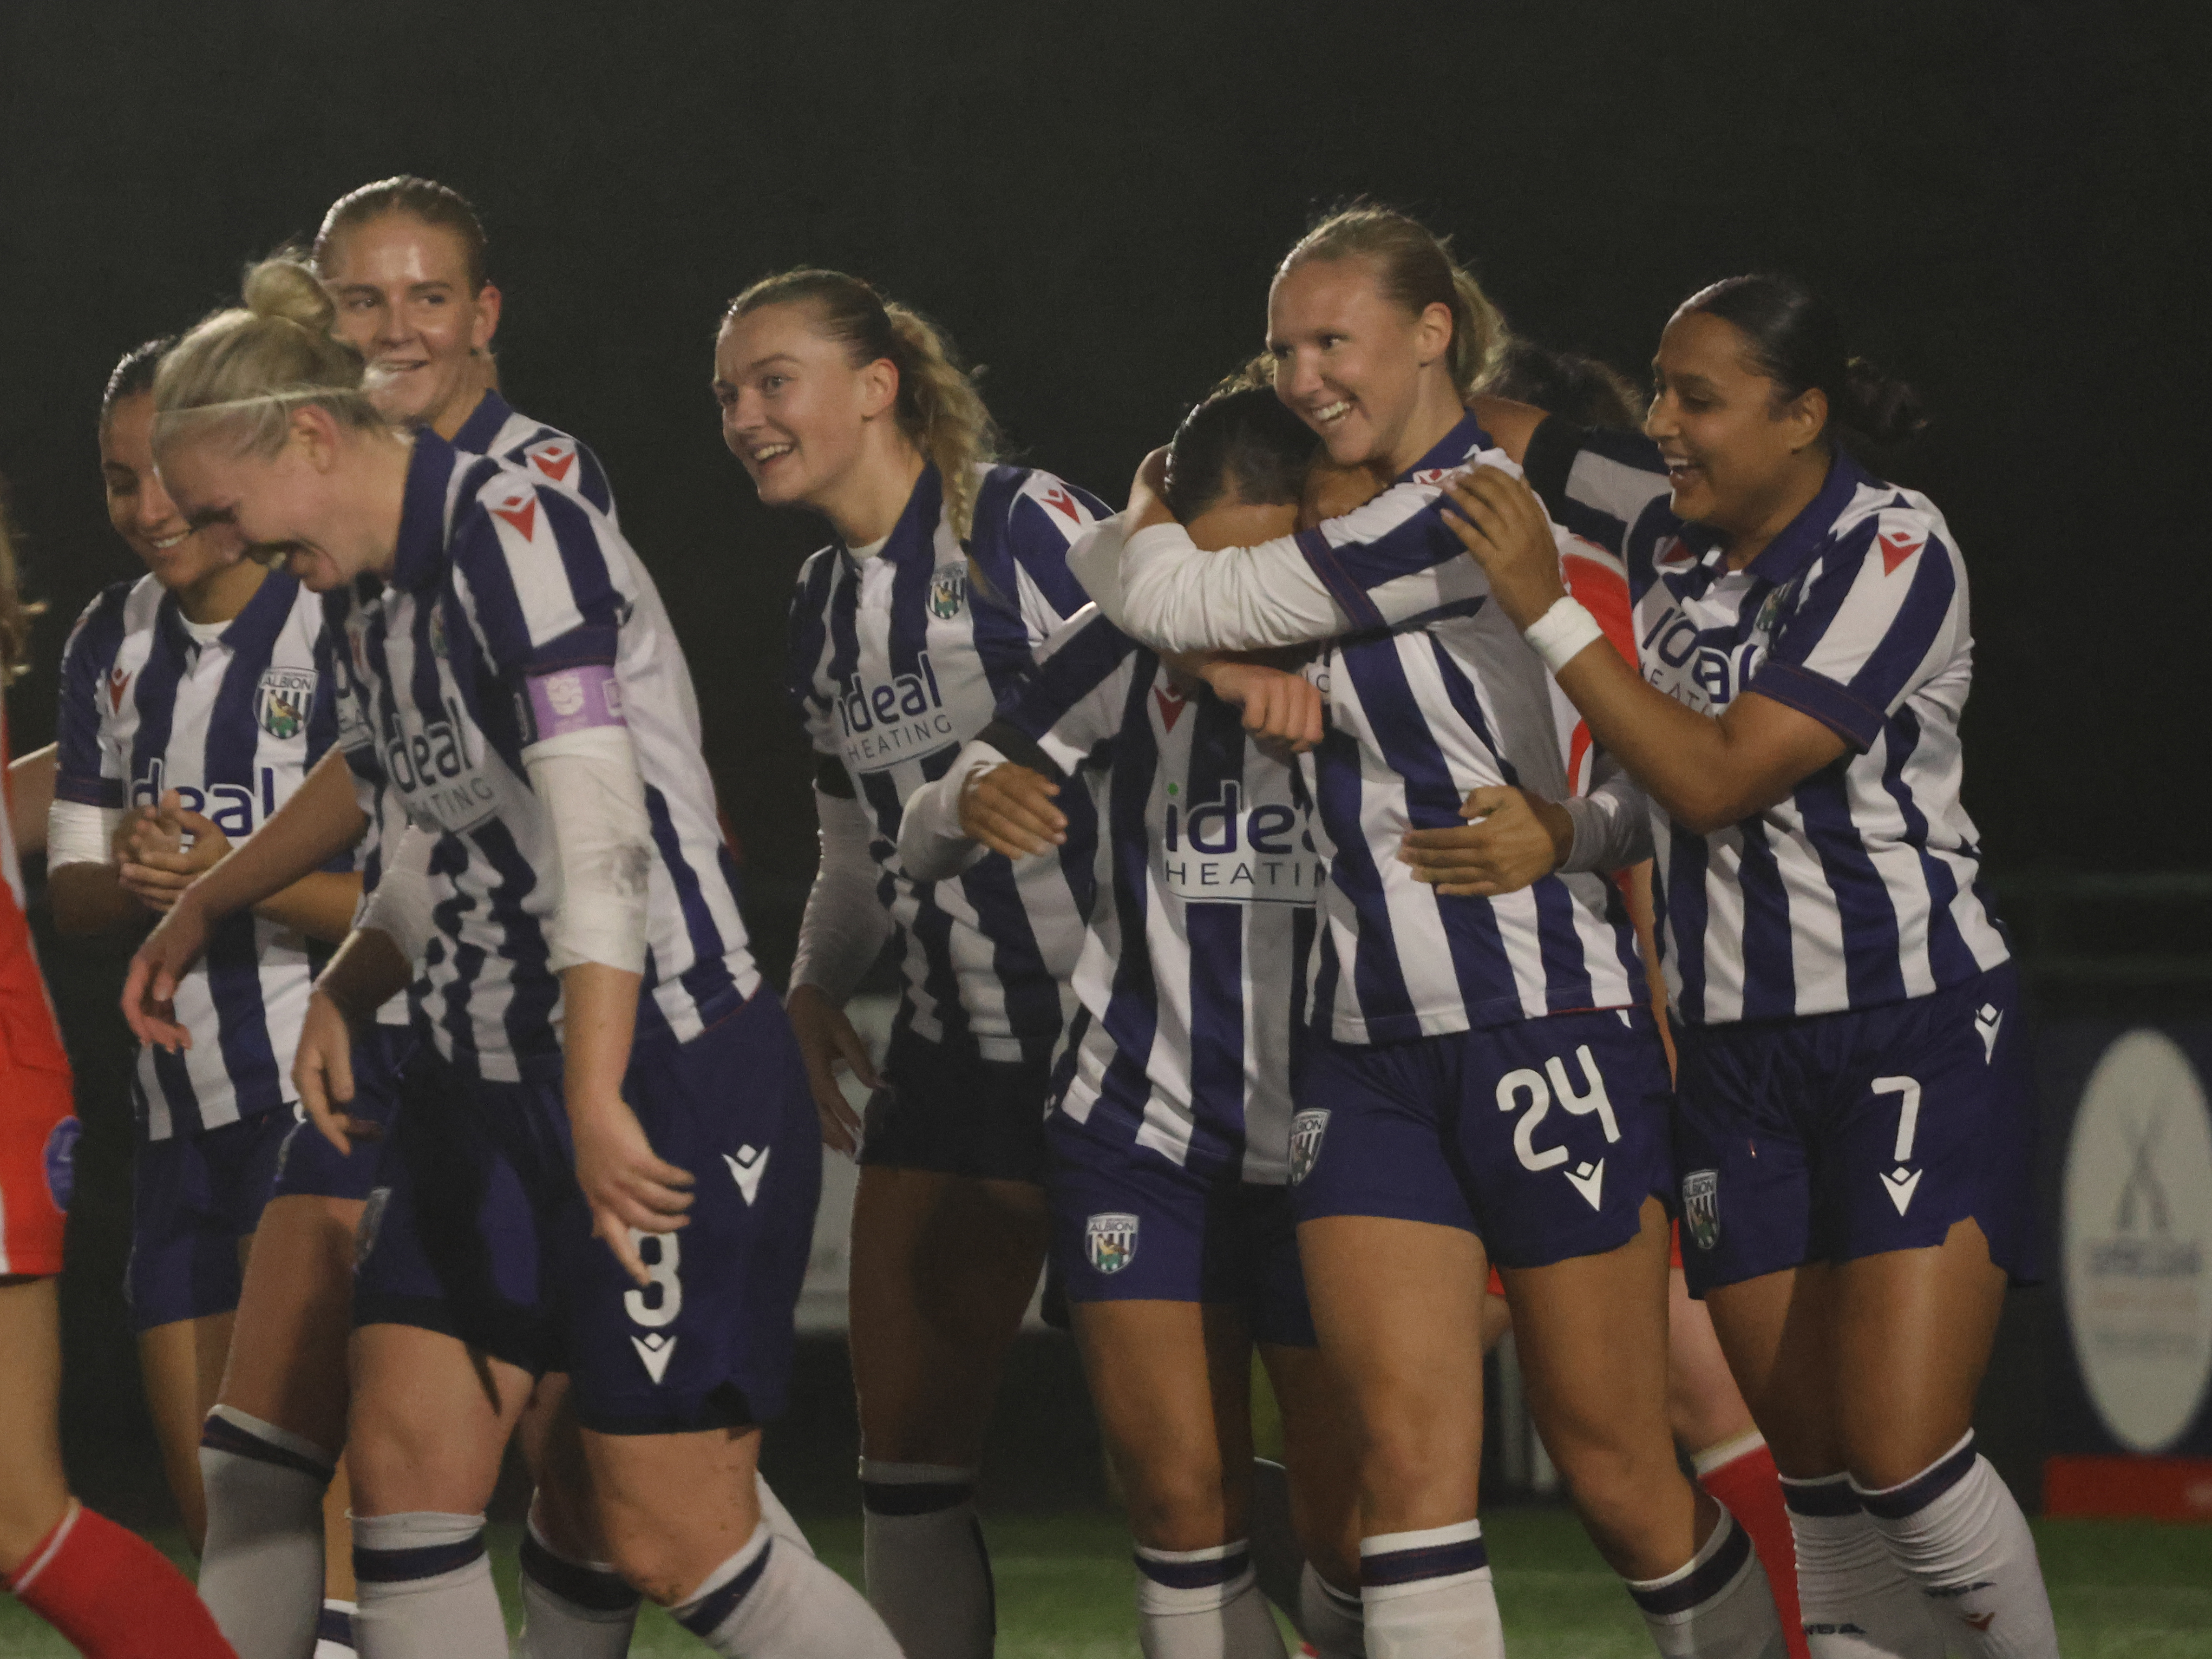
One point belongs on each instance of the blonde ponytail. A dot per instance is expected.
(1416, 271)
(938, 409)
(245, 369)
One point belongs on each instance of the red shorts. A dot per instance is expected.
(38, 1136)
(1674, 1257)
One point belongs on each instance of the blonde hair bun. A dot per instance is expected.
(284, 288)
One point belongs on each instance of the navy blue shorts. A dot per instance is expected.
(945, 1108)
(1543, 1138)
(309, 1166)
(1128, 1225)
(1847, 1134)
(477, 1230)
(194, 1198)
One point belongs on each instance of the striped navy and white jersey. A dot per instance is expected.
(515, 611)
(495, 428)
(1437, 696)
(1192, 975)
(231, 717)
(898, 660)
(547, 453)
(1859, 888)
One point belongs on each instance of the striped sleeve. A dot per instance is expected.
(807, 633)
(1073, 707)
(545, 576)
(1395, 559)
(86, 770)
(1876, 617)
(1595, 484)
(568, 464)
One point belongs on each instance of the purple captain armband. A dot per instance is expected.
(573, 700)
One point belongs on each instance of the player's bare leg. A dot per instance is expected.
(1398, 1308)
(1862, 1377)
(111, 1594)
(278, 1544)
(1591, 1334)
(181, 1363)
(1172, 1382)
(1320, 1445)
(943, 1266)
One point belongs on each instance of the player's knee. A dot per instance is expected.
(399, 1463)
(1180, 1502)
(1412, 1456)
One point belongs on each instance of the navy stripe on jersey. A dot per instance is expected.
(230, 717)
(501, 582)
(1859, 888)
(895, 662)
(547, 454)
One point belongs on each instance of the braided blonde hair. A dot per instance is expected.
(939, 409)
(245, 369)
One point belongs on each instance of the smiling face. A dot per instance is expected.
(1354, 365)
(139, 508)
(304, 508)
(1736, 452)
(795, 412)
(405, 302)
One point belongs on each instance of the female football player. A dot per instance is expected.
(946, 574)
(587, 995)
(191, 708)
(1855, 1125)
(1481, 1079)
(108, 1592)
(1171, 1134)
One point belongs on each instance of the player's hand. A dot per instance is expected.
(627, 1185)
(1009, 809)
(1282, 711)
(149, 989)
(322, 1071)
(1503, 524)
(826, 1041)
(1509, 841)
(158, 867)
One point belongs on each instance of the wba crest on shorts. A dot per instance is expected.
(1307, 1127)
(280, 701)
(1111, 1241)
(1701, 1207)
(61, 1162)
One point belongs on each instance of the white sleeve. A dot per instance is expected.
(933, 846)
(603, 846)
(400, 906)
(1613, 823)
(845, 926)
(1156, 586)
(77, 833)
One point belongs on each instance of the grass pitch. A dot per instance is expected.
(2121, 1590)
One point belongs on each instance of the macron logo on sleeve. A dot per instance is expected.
(1896, 549)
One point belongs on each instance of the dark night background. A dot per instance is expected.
(2009, 200)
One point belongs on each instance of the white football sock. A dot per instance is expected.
(334, 1632)
(261, 1574)
(779, 1518)
(572, 1609)
(927, 1570)
(1330, 1618)
(1956, 1531)
(426, 1589)
(1427, 1595)
(1716, 1605)
(771, 1601)
(1203, 1604)
(1854, 1601)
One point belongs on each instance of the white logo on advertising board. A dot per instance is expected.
(2138, 1240)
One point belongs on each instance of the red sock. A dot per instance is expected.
(114, 1595)
(1740, 1473)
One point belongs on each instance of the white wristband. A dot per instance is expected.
(1559, 634)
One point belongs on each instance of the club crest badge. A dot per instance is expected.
(1701, 1207)
(61, 1162)
(437, 630)
(1111, 1241)
(948, 592)
(282, 699)
(1307, 1128)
